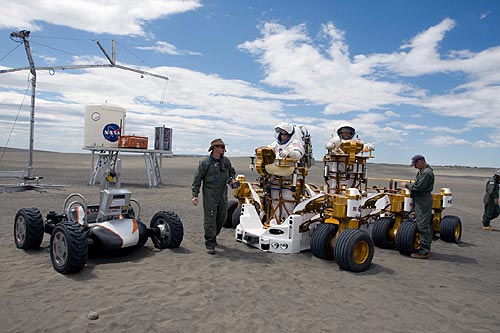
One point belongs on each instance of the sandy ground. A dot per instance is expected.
(241, 289)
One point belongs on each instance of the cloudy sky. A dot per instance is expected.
(410, 76)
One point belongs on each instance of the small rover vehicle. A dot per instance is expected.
(113, 224)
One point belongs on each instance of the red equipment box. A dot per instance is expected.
(132, 141)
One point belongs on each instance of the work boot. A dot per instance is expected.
(211, 251)
(488, 228)
(417, 255)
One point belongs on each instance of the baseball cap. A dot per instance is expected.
(416, 158)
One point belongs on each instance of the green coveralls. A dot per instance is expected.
(215, 175)
(491, 209)
(421, 191)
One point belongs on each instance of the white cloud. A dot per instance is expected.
(118, 17)
(166, 48)
(446, 141)
(323, 75)
(484, 15)
(47, 59)
(327, 75)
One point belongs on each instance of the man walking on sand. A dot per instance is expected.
(491, 207)
(215, 171)
(421, 191)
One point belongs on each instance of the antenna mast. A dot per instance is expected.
(24, 34)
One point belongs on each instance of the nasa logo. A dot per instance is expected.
(111, 132)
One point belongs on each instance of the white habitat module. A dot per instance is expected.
(104, 123)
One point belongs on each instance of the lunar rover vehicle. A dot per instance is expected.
(281, 213)
(111, 225)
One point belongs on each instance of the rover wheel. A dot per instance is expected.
(231, 206)
(407, 238)
(28, 229)
(235, 218)
(353, 250)
(450, 229)
(381, 233)
(143, 234)
(323, 240)
(168, 230)
(68, 247)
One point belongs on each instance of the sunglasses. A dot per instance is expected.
(220, 146)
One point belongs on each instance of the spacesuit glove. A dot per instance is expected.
(284, 153)
(296, 155)
(368, 147)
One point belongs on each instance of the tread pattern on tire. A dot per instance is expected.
(34, 228)
(76, 238)
(380, 232)
(321, 240)
(448, 228)
(176, 230)
(405, 238)
(344, 250)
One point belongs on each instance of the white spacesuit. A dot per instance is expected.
(288, 142)
(288, 145)
(345, 132)
(338, 174)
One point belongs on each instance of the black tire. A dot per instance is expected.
(354, 250)
(381, 233)
(235, 219)
(323, 240)
(143, 234)
(168, 230)
(450, 229)
(231, 206)
(68, 247)
(407, 238)
(28, 229)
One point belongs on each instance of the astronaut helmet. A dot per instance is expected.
(284, 132)
(346, 132)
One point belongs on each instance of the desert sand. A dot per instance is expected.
(241, 289)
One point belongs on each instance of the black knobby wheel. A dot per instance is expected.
(382, 232)
(28, 229)
(323, 239)
(353, 250)
(235, 219)
(407, 238)
(168, 230)
(68, 247)
(231, 206)
(450, 229)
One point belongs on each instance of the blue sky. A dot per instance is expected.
(411, 76)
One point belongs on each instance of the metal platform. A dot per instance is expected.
(107, 156)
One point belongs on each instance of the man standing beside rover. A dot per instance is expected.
(421, 191)
(215, 171)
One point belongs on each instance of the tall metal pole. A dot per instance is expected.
(24, 34)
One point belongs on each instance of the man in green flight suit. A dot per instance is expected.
(421, 191)
(215, 171)
(491, 207)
